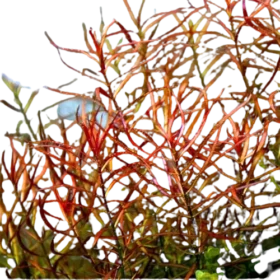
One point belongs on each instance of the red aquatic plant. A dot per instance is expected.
(212, 144)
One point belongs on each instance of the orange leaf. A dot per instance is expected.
(261, 26)
(97, 236)
(53, 216)
(91, 35)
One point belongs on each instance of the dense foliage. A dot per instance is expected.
(191, 154)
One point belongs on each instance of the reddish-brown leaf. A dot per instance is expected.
(91, 34)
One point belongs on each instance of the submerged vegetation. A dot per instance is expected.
(177, 178)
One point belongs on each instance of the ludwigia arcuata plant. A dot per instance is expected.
(191, 154)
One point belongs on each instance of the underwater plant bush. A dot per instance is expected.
(172, 179)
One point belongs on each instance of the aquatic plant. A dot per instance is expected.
(171, 180)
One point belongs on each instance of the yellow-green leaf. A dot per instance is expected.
(4, 261)
(34, 93)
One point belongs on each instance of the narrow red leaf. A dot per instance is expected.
(97, 236)
(102, 91)
(272, 76)
(244, 8)
(93, 40)
(125, 32)
(101, 69)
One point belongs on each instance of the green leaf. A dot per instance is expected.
(262, 163)
(119, 41)
(276, 183)
(17, 101)
(86, 230)
(34, 93)
(4, 261)
(275, 148)
(204, 275)
(212, 254)
(271, 242)
(11, 85)
(253, 264)
(19, 125)
(137, 107)
(211, 267)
